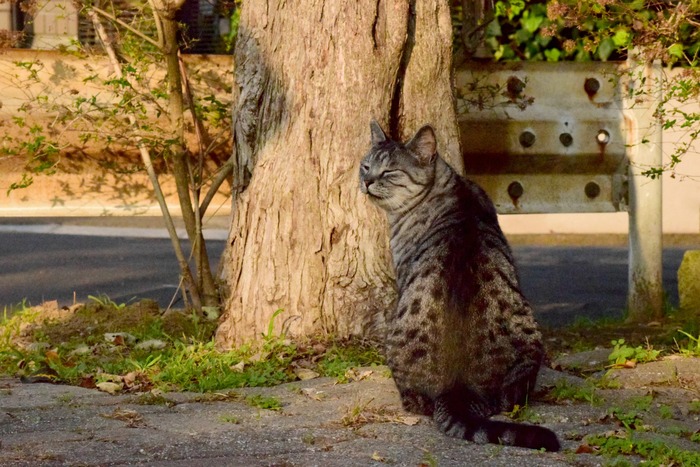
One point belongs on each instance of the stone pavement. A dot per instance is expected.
(320, 423)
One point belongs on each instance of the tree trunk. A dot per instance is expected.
(310, 75)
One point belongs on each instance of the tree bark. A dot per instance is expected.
(310, 75)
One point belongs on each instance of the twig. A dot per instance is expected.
(125, 26)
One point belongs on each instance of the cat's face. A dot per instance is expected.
(394, 175)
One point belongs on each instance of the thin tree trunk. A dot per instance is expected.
(310, 75)
(181, 166)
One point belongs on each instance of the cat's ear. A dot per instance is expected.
(424, 145)
(378, 135)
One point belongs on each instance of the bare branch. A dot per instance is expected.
(126, 26)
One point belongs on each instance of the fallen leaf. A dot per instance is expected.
(408, 420)
(313, 394)
(238, 367)
(80, 350)
(304, 374)
(377, 457)
(87, 382)
(260, 356)
(353, 375)
(52, 356)
(109, 387)
(131, 417)
(151, 344)
(585, 448)
(119, 338)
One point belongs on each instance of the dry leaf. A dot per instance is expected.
(377, 457)
(238, 367)
(408, 420)
(52, 356)
(109, 387)
(585, 449)
(258, 357)
(353, 375)
(131, 417)
(313, 394)
(87, 382)
(151, 344)
(304, 374)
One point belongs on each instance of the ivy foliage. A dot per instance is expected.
(558, 30)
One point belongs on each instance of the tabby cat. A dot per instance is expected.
(462, 343)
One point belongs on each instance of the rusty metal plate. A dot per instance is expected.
(544, 137)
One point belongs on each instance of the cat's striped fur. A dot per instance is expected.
(462, 343)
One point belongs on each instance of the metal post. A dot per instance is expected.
(645, 295)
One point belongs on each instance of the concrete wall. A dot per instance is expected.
(83, 186)
(48, 197)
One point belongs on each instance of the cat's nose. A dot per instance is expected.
(367, 182)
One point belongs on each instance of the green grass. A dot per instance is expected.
(264, 402)
(339, 358)
(653, 452)
(563, 391)
(75, 350)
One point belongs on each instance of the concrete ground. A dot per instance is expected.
(320, 423)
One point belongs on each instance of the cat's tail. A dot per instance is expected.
(483, 430)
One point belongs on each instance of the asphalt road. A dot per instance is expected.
(38, 263)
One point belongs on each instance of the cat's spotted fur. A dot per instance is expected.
(462, 343)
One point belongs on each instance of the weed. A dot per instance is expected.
(563, 390)
(429, 459)
(523, 413)
(642, 403)
(630, 419)
(665, 411)
(338, 359)
(107, 302)
(153, 398)
(309, 439)
(66, 398)
(74, 349)
(694, 406)
(691, 347)
(623, 354)
(606, 382)
(264, 402)
(229, 419)
(653, 452)
(357, 414)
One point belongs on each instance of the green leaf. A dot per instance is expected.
(622, 37)
(531, 23)
(552, 55)
(676, 50)
(493, 29)
(605, 48)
